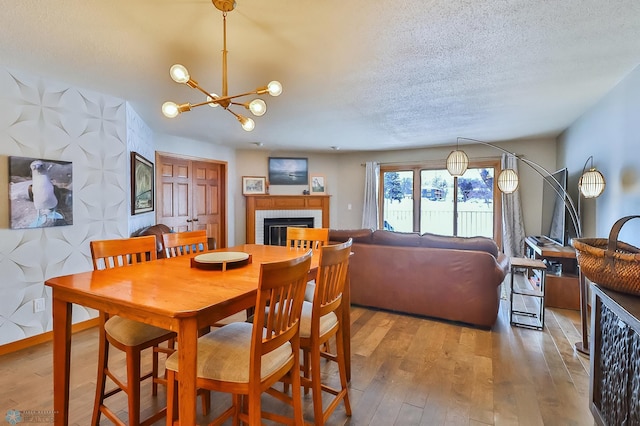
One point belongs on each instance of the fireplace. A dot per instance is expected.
(262, 207)
(275, 229)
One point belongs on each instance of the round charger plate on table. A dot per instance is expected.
(221, 260)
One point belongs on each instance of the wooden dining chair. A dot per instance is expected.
(181, 243)
(307, 238)
(129, 336)
(321, 320)
(246, 359)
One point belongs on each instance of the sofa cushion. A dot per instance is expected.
(459, 243)
(362, 236)
(392, 238)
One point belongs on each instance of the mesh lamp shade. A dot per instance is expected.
(508, 181)
(592, 184)
(457, 163)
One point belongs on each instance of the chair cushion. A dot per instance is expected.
(224, 355)
(130, 332)
(326, 321)
(310, 291)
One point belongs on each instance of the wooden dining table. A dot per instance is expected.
(167, 293)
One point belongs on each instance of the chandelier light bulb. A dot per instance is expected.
(179, 73)
(258, 107)
(170, 109)
(212, 97)
(247, 123)
(274, 88)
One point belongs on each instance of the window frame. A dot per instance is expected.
(416, 168)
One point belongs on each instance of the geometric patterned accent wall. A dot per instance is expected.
(140, 140)
(47, 119)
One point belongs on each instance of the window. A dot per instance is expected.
(426, 198)
(397, 202)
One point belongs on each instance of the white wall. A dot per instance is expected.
(345, 175)
(255, 162)
(610, 131)
(46, 119)
(139, 140)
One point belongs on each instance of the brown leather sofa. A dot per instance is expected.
(157, 231)
(450, 278)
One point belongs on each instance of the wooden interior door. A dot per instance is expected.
(208, 194)
(192, 195)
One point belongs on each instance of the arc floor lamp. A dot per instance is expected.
(590, 185)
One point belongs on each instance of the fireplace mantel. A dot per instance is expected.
(284, 202)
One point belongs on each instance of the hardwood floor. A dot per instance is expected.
(405, 371)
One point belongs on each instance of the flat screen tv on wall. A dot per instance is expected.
(556, 220)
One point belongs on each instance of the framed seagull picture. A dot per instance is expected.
(40, 193)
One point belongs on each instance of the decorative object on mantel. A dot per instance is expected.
(257, 107)
(252, 185)
(591, 185)
(221, 260)
(610, 263)
(317, 184)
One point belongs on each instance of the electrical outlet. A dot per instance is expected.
(38, 305)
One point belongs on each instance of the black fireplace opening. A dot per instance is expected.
(275, 229)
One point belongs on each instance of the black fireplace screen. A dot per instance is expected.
(275, 229)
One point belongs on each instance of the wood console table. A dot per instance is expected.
(284, 202)
(614, 389)
(563, 290)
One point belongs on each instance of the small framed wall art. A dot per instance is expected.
(317, 184)
(252, 185)
(142, 178)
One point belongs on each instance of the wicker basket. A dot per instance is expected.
(610, 263)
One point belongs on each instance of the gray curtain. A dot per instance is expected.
(512, 222)
(370, 210)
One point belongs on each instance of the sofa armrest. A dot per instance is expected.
(504, 262)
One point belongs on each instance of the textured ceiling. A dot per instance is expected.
(357, 74)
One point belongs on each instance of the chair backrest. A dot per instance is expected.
(107, 254)
(330, 279)
(307, 238)
(181, 243)
(281, 288)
